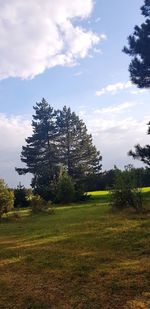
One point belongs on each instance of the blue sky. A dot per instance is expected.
(70, 54)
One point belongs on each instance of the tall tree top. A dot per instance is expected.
(139, 49)
(146, 8)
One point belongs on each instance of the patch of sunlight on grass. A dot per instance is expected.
(20, 212)
(38, 242)
(98, 193)
(90, 253)
(146, 189)
(129, 264)
(73, 206)
(142, 302)
(11, 260)
(126, 226)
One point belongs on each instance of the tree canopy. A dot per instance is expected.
(59, 139)
(139, 49)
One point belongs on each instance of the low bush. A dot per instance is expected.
(37, 204)
(125, 193)
(6, 198)
(65, 191)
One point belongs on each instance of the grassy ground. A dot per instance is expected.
(83, 257)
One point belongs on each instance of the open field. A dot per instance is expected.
(104, 196)
(83, 257)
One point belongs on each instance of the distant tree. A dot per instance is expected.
(139, 50)
(41, 154)
(6, 198)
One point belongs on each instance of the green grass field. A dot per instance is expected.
(83, 257)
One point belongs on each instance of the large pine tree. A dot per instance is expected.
(139, 68)
(40, 152)
(77, 152)
(139, 50)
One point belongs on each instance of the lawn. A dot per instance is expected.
(83, 257)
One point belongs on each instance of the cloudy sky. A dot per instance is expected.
(70, 53)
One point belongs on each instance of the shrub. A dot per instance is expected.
(6, 198)
(37, 204)
(65, 192)
(21, 196)
(125, 193)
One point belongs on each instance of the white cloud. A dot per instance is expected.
(78, 74)
(139, 91)
(114, 88)
(115, 136)
(13, 130)
(116, 109)
(37, 35)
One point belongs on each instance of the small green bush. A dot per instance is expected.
(125, 193)
(37, 204)
(6, 198)
(65, 192)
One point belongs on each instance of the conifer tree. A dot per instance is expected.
(76, 150)
(139, 50)
(40, 152)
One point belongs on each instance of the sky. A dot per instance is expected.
(70, 53)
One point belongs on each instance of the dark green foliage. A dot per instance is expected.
(125, 193)
(21, 196)
(77, 153)
(101, 181)
(139, 50)
(105, 180)
(59, 138)
(40, 153)
(65, 192)
(146, 8)
(6, 198)
(141, 153)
